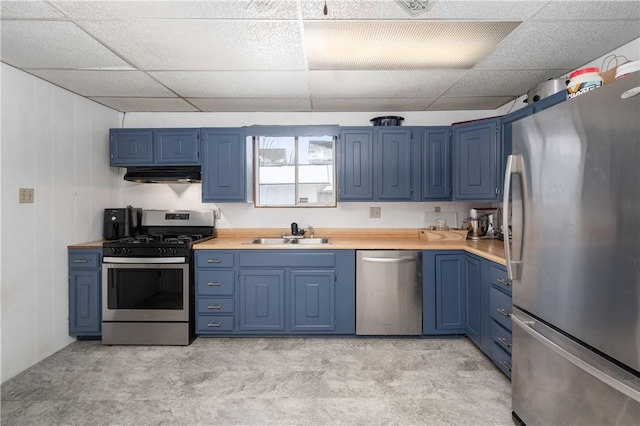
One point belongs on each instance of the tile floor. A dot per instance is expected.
(307, 381)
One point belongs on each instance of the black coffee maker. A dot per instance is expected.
(120, 223)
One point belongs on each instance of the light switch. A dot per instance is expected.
(374, 212)
(26, 195)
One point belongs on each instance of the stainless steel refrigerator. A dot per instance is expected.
(575, 260)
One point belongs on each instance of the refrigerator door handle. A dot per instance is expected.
(515, 165)
(528, 326)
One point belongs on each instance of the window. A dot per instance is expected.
(295, 171)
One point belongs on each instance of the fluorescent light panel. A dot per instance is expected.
(401, 45)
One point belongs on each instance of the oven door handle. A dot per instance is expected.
(144, 260)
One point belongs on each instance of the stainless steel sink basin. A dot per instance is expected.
(292, 241)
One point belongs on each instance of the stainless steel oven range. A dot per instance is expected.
(147, 280)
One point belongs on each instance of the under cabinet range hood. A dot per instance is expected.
(179, 174)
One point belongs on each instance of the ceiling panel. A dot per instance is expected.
(146, 104)
(251, 105)
(375, 45)
(559, 45)
(381, 84)
(372, 104)
(218, 9)
(469, 103)
(242, 84)
(441, 9)
(53, 44)
(559, 10)
(105, 83)
(27, 10)
(204, 44)
(500, 83)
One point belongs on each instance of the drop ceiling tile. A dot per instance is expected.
(124, 104)
(372, 104)
(218, 9)
(469, 103)
(53, 44)
(27, 10)
(241, 84)
(500, 83)
(400, 45)
(251, 105)
(381, 84)
(204, 44)
(440, 9)
(105, 83)
(560, 44)
(561, 10)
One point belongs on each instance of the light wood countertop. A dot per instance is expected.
(354, 239)
(89, 245)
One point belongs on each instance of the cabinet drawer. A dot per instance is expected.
(214, 259)
(502, 359)
(501, 336)
(84, 259)
(214, 323)
(500, 278)
(500, 307)
(287, 258)
(215, 306)
(215, 283)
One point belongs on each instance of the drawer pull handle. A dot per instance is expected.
(503, 312)
(214, 307)
(217, 324)
(504, 282)
(504, 341)
(214, 284)
(80, 260)
(506, 365)
(213, 260)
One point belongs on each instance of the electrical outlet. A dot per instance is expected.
(436, 209)
(27, 195)
(375, 212)
(217, 213)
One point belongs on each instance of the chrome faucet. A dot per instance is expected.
(311, 231)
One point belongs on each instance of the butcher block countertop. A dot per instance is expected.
(89, 245)
(353, 239)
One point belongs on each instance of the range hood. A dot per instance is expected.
(179, 174)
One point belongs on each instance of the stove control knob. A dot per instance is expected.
(162, 251)
(126, 250)
(174, 251)
(115, 250)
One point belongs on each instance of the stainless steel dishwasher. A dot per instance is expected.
(388, 292)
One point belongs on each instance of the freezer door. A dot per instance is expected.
(576, 218)
(556, 381)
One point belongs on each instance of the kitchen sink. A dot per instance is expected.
(269, 241)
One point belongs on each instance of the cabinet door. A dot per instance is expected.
(312, 300)
(85, 310)
(436, 163)
(472, 281)
(262, 302)
(223, 165)
(176, 146)
(475, 150)
(131, 147)
(450, 309)
(356, 164)
(393, 171)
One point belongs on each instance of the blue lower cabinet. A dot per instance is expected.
(312, 300)
(85, 292)
(443, 292)
(472, 283)
(213, 324)
(262, 300)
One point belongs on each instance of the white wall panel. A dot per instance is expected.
(56, 142)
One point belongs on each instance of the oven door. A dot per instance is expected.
(145, 289)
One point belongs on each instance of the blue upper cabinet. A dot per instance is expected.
(475, 161)
(377, 164)
(223, 165)
(435, 155)
(131, 147)
(153, 147)
(356, 164)
(176, 146)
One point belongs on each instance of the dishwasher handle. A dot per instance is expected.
(389, 259)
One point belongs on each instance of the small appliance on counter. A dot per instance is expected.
(121, 223)
(482, 223)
